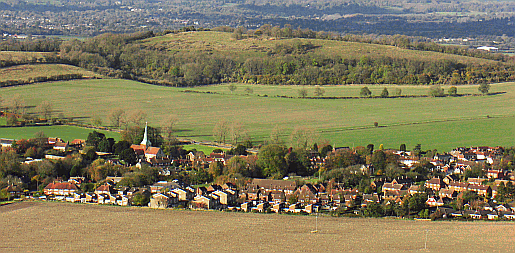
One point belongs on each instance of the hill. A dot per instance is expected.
(441, 123)
(224, 43)
(279, 57)
(78, 227)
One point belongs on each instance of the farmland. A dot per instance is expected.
(24, 72)
(67, 133)
(96, 228)
(441, 123)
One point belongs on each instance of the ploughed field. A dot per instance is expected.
(441, 123)
(52, 226)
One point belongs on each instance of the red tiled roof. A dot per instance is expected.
(61, 186)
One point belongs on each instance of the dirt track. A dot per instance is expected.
(65, 227)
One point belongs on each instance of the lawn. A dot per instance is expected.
(95, 228)
(441, 123)
(24, 72)
(3, 121)
(67, 133)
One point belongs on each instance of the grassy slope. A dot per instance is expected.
(67, 133)
(17, 55)
(24, 72)
(222, 43)
(338, 121)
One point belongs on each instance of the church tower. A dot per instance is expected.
(145, 142)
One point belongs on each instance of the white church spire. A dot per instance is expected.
(145, 140)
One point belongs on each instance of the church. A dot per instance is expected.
(147, 153)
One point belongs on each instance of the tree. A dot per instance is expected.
(436, 91)
(232, 87)
(402, 147)
(319, 91)
(17, 104)
(384, 93)
(94, 138)
(97, 121)
(453, 91)
(302, 137)
(236, 131)
(249, 90)
(168, 126)
(129, 156)
(365, 92)
(220, 131)
(216, 169)
(140, 199)
(106, 145)
(484, 88)
(116, 117)
(397, 92)
(45, 108)
(271, 160)
(303, 92)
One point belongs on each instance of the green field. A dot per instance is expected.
(441, 123)
(24, 72)
(206, 149)
(67, 133)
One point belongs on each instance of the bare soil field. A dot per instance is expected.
(64, 227)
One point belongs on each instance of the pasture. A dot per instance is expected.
(67, 133)
(441, 123)
(50, 227)
(24, 72)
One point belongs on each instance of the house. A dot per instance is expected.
(78, 143)
(61, 146)
(495, 174)
(414, 189)
(114, 179)
(163, 200)
(262, 207)
(246, 207)
(307, 194)
(60, 189)
(276, 196)
(77, 180)
(458, 186)
(105, 189)
(270, 184)
(6, 143)
(163, 185)
(204, 202)
(476, 181)
(435, 184)
(14, 190)
(393, 187)
(278, 207)
(483, 190)
(225, 197)
(183, 194)
(447, 193)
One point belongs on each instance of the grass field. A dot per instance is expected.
(79, 228)
(206, 149)
(441, 123)
(67, 133)
(223, 44)
(24, 72)
(18, 55)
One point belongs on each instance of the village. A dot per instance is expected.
(448, 195)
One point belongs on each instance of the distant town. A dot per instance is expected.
(465, 183)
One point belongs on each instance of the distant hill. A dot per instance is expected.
(271, 56)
